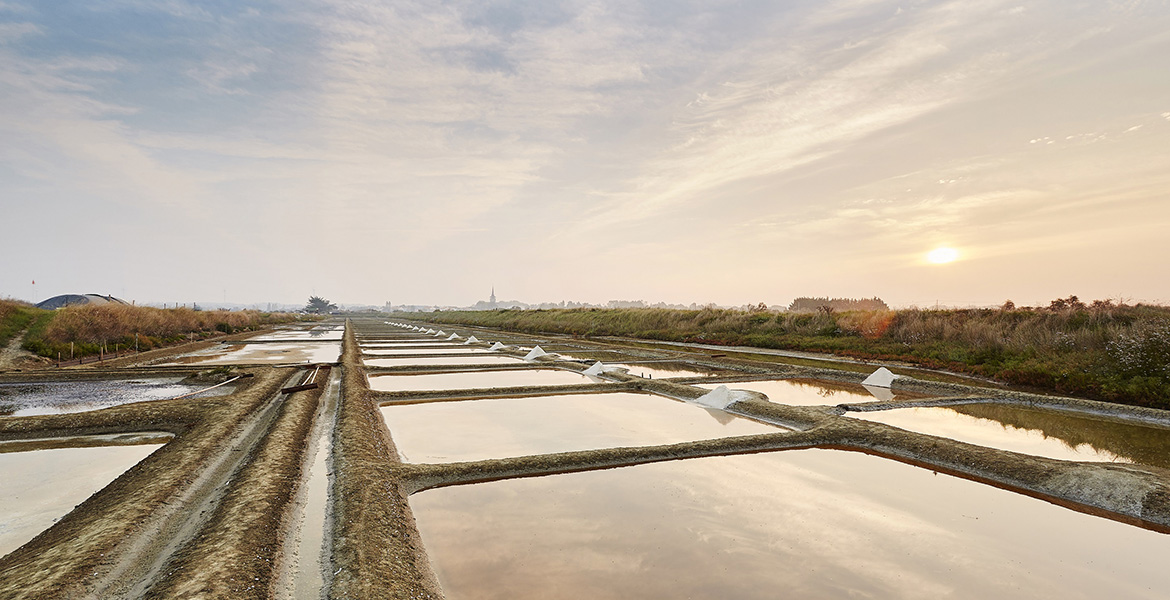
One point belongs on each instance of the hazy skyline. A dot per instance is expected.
(727, 152)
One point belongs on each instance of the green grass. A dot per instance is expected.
(1107, 352)
(14, 318)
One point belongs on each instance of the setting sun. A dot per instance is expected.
(942, 255)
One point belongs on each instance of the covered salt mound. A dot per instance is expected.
(880, 378)
(454, 336)
(471, 340)
(535, 353)
(440, 333)
(721, 397)
(497, 346)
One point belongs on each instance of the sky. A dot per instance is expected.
(424, 152)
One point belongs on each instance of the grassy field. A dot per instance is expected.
(88, 330)
(1118, 353)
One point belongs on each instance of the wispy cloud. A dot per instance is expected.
(460, 135)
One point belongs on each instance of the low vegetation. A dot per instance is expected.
(91, 329)
(1106, 351)
(15, 316)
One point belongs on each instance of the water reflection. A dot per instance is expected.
(58, 397)
(476, 379)
(499, 428)
(316, 333)
(41, 486)
(479, 359)
(661, 370)
(407, 343)
(799, 524)
(1054, 434)
(810, 392)
(290, 352)
(388, 351)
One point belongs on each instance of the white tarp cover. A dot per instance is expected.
(880, 378)
(535, 353)
(721, 397)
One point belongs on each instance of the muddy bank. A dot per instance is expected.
(87, 551)
(238, 553)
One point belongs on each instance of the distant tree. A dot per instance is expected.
(319, 305)
(805, 304)
(1071, 303)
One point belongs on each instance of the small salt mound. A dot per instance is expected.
(440, 333)
(471, 340)
(719, 397)
(595, 370)
(535, 353)
(497, 346)
(880, 378)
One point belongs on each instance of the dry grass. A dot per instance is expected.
(90, 329)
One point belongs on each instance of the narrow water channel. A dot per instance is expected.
(308, 552)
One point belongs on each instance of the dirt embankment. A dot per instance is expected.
(131, 515)
(377, 550)
(238, 553)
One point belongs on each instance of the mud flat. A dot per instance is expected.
(64, 396)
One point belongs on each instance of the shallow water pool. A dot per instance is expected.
(477, 379)
(439, 432)
(58, 397)
(808, 392)
(795, 524)
(41, 486)
(1049, 433)
(476, 359)
(394, 351)
(661, 370)
(276, 352)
